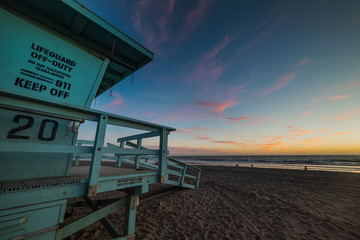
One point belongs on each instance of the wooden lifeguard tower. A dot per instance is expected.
(56, 56)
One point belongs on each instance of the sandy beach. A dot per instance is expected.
(249, 203)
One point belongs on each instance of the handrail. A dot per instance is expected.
(27, 104)
(33, 106)
(138, 136)
(182, 167)
(177, 161)
(178, 164)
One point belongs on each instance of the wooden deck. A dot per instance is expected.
(77, 173)
(107, 171)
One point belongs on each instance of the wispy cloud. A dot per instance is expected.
(337, 91)
(117, 100)
(231, 142)
(280, 83)
(342, 133)
(155, 29)
(209, 68)
(233, 119)
(218, 107)
(194, 17)
(220, 149)
(269, 145)
(313, 140)
(259, 120)
(193, 130)
(298, 131)
(265, 29)
(275, 139)
(326, 130)
(233, 90)
(307, 113)
(268, 18)
(156, 20)
(302, 62)
(346, 115)
(343, 96)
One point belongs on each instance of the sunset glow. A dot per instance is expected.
(236, 78)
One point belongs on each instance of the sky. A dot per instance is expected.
(242, 77)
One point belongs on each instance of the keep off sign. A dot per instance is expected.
(35, 62)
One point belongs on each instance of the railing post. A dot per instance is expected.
(163, 160)
(198, 178)
(183, 175)
(77, 157)
(119, 157)
(96, 156)
(138, 157)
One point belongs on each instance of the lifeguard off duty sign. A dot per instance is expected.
(38, 63)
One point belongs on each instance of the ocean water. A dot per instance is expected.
(340, 163)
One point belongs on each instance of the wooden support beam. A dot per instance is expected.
(130, 215)
(97, 154)
(138, 157)
(104, 221)
(163, 153)
(77, 156)
(91, 218)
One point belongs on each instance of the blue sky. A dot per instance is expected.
(243, 77)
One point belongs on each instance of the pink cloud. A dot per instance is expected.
(218, 108)
(188, 150)
(307, 113)
(269, 17)
(280, 83)
(217, 48)
(237, 89)
(204, 138)
(302, 62)
(313, 140)
(117, 100)
(232, 119)
(154, 20)
(269, 145)
(334, 93)
(150, 114)
(335, 98)
(221, 141)
(302, 132)
(326, 130)
(267, 32)
(298, 131)
(259, 120)
(209, 68)
(194, 17)
(346, 115)
(274, 139)
(342, 133)
(192, 130)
